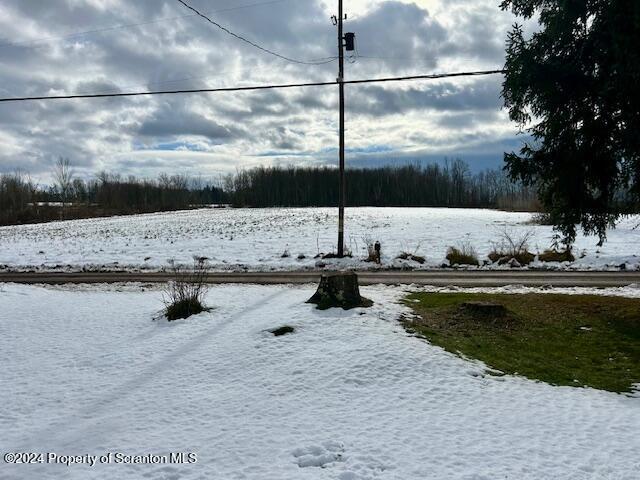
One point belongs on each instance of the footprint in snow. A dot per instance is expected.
(319, 455)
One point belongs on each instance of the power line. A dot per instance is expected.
(254, 88)
(427, 77)
(30, 43)
(166, 92)
(266, 50)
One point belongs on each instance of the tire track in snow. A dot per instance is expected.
(91, 415)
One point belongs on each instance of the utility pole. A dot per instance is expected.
(344, 41)
(341, 87)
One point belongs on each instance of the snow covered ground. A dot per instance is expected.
(239, 239)
(349, 396)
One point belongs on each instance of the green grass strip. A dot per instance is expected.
(559, 339)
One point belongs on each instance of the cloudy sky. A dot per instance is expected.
(95, 46)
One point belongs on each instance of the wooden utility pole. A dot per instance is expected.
(342, 194)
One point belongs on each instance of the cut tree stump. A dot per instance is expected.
(484, 308)
(339, 290)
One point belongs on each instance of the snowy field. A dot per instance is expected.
(349, 396)
(245, 239)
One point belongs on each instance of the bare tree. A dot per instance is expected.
(63, 177)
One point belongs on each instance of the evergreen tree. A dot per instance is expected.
(574, 87)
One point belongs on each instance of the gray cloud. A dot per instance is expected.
(397, 32)
(445, 96)
(170, 121)
(234, 130)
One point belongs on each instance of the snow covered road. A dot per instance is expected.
(348, 396)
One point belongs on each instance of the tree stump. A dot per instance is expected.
(339, 290)
(485, 309)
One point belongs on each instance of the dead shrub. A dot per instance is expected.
(412, 257)
(554, 255)
(464, 254)
(512, 246)
(333, 255)
(540, 218)
(184, 295)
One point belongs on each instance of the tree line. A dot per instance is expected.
(448, 185)
(23, 201)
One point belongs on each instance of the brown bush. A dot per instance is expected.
(556, 256)
(184, 296)
(512, 247)
(411, 256)
(465, 255)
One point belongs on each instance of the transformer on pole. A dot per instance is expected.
(350, 41)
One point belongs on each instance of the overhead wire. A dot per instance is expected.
(255, 45)
(254, 88)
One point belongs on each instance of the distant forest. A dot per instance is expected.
(22, 201)
(450, 185)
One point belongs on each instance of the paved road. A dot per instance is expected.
(436, 278)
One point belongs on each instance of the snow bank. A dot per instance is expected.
(246, 239)
(630, 291)
(349, 396)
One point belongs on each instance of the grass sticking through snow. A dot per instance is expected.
(556, 256)
(411, 256)
(464, 255)
(560, 339)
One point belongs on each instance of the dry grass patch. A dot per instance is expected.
(464, 254)
(412, 257)
(184, 295)
(512, 247)
(556, 256)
